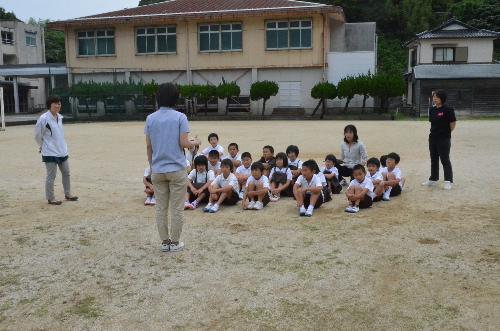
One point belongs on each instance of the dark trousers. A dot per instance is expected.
(440, 150)
(344, 171)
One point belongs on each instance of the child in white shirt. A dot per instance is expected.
(393, 179)
(360, 191)
(214, 162)
(308, 190)
(281, 178)
(233, 150)
(244, 171)
(224, 189)
(213, 140)
(332, 174)
(294, 163)
(327, 194)
(374, 174)
(149, 188)
(199, 180)
(257, 189)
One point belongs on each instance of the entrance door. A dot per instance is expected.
(289, 94)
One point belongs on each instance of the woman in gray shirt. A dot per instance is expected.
(352, 152)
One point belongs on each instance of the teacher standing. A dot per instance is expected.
(352, 152)
(443, 122)
(166, 133)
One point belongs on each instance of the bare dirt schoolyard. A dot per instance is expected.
(428, 260)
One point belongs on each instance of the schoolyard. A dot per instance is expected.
(428, 260)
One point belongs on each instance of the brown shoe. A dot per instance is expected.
(55, 202)
(73, 198)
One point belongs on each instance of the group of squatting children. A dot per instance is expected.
(218, 179)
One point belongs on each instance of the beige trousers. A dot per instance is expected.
(170, 192)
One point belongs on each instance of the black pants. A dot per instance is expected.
(440, 149)
(344, 171)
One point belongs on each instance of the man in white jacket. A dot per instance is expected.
(49, 135)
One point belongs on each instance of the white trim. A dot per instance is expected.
(197, 12)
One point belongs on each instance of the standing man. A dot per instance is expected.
(443, 122)
(49, 135)
(166, 133)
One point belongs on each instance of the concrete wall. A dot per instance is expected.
(254, 54)
(480, 50)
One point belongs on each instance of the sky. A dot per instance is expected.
(63, 9)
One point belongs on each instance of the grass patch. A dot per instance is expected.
(9, 280)
(22, 240)
(87, 308)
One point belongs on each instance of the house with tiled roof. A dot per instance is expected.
(295, 43)
(458, 58)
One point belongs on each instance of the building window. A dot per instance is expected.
(157, 40)
(413, 57)
(30, 38)
(7, 38)
(289, 34)
(220, 37)
(444, 54)
(96, 42)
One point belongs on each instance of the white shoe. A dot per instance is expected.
(430, 183)
(386, 196)
(208, 207)
(343, 182)
(251, 205)
(165, 247)
(148, 201)
(177, 248)
(447, 185)
(214, 209)
(348, 209)
(187, 205)
(302, 211)
(354, 209)
(309, 211)
(274, 197)
(258, 205)
(194, 204)
(152, 201)
(241, 195)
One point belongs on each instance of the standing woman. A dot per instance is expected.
(443, 121)
(49, 134)
(352, 152)
(166, 137)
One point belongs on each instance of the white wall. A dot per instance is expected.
(479, 50)
(345, 64)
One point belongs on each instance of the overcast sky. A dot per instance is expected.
(63, 9)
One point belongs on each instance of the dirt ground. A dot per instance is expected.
(428, 260)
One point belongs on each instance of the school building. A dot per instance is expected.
(295, 43)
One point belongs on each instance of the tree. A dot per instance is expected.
(205, 93)
(347, 90)
(323, 91)
(7, 15)
(263, 90)
(189, 92)
(227, 90)
(55, 49)
(385, 86)
(363, 86)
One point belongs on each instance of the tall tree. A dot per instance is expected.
(7, 15)
(55, 49)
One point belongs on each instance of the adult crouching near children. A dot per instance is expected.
(352, 152)
(49, 135)
(443, 122)
(166, 133)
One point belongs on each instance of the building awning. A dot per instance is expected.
(33, 70)
(8, 83)
(457, 71)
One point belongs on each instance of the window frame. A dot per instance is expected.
(94, 39)
(12, 40)
(434, 51)
(219, 32)
(300, 28)
(155, 34)
(32, 36)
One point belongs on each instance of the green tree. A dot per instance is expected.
(263, 90)
(364, 86)
(226, 91)
(347, 90)
(323, 91)
(55, 49)
(205, 93)
(386, 86)
(190, 92)
(7, 15)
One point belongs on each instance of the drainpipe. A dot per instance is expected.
(323, 49)
(16, 96)
(188, 64)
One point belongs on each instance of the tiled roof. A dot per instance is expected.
(466, 31)
(456, 71)
(194, 8)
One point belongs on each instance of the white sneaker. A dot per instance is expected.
(343, 182)
(309, 211)
(152, 201)
(447, 185)
(430, 183)
(148, 201)
(274, 197)
(354, 209)
(241, 195)
(187, 205)
(208, 207)
(258, 205)
(165, 247)
(302, 211)
(177, 248)
(386, 196)
(214, 209)
(194, 204)
(251, 205)
(348, 209)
